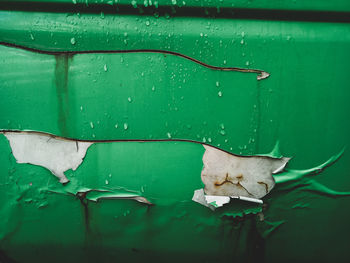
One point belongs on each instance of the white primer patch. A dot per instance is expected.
(55, 154)
(215, 201)
(225, 174)
(199, 197)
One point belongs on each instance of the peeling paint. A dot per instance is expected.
(293, 179)
(55, 154)
(226, 174)
(96, 195)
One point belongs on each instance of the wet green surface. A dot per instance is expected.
(313, 5)
(303, 105)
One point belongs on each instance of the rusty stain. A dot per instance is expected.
(266, 186)
(226, 174)
(224, 182)
(239, 177)
(238, 184)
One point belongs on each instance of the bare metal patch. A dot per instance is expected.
(225, 174)
(55, 154)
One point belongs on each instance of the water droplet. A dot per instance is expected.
(220, 94)
(129, 99)
(153, 88)
(169, 135)
(116, 125)
(204, 140)
(31, 36)
(125, 126)
(106, 182)
(222, 132)
(73, 41)
(209, 139)
(242, 41)
(81, 108)
(91, 125)
(217, 84)
(147, 23)
(105, 67)
(222, 126)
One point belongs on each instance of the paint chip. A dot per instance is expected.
(225, 174)
(55, 154)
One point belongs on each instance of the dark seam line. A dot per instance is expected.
(261, 74)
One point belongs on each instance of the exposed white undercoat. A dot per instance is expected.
(55, 154)
(225, 174)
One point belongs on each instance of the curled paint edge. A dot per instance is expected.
(96, 195)
(215, 201)
(291, 175)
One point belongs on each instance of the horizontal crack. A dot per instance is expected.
(128, 140)
(261, 74)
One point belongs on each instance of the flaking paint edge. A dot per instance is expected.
(55, 154)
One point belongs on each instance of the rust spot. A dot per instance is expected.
(240, 176)
(238, 184)
(266, 186)
(224, 182)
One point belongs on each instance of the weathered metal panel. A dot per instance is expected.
(64, 74)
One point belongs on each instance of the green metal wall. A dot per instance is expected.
(59, 75)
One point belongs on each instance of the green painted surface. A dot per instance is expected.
(303, 105)
(314, 5)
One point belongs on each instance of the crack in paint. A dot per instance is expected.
(236, 184)
(260, 73)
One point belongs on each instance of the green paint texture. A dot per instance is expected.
(310, 5)
(114, 98)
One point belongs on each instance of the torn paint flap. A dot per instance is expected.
(99, 195)
(215, 201)
(55, 154)
(199, 197)
(225, 174)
